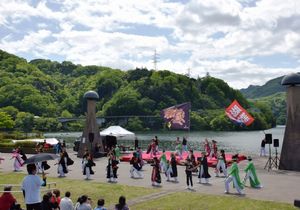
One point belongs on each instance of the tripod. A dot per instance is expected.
(275, 162)
(269, 162)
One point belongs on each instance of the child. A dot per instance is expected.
(233, 176)
(155, 176)
(188, 171)
(251, 175)
(221, 165)
(203, 168)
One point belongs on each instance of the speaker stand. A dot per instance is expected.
(269, 162)
(275, 161)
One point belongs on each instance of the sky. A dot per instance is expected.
(243, 42)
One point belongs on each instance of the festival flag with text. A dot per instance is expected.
(238, 114)
(178, 116)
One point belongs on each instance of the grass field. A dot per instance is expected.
(179, 200)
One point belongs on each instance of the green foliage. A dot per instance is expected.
(48, 90)
(221, 123)
(6, 121)
(135, 124)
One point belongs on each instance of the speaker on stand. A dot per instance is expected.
(268, 137)
(275, 161)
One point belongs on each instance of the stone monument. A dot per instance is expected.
(91, 136)
(290, 153)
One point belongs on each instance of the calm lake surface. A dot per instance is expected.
(247, 142)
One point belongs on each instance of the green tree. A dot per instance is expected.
(6, 121)
(25, 122)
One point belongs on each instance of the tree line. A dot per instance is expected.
(34, 94)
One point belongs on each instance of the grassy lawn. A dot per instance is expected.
(180, 200)
(110, 192)
(197, 201)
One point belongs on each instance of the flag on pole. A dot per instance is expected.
(238, 114)
(178, 116)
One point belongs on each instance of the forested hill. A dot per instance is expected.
(43, 90)
(271, 87)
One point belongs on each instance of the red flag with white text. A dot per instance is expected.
(238, 114)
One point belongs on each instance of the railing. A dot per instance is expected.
(47, 188)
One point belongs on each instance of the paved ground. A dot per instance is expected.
(282, 186)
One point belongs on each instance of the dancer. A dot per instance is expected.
(251, 175)
(233, 176)
(153, 149)
(155, 176)
(207, 148)
(62, 166)
(163, 162)
(111, 168)
(156, 143)
(221, 165)
(203, 168)
(191, 156)
(135, 168)
(215, 149)
(168, 171)
(184, 144)
(117, 153)
(139, 153)
(188, 171)
(173, 163)
(178, 148)
(18, 163)
(87, 169)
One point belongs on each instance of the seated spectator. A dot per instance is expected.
(66, 203)
(100, 205)
(122, 204)
(46, 204)
(7, 200)
(55, 198)
(84, 203)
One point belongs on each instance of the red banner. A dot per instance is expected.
(238, 114)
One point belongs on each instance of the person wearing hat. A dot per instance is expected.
(233, 176)
(251, 175)
(7, 200)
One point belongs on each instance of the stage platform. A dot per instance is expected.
(212, 162)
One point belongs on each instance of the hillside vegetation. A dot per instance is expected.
(34, 94)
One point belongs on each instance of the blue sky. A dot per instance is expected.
(240, 41)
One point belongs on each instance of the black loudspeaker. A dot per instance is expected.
(268, 138)
(297, 203)
(276, 142)
(91, 137)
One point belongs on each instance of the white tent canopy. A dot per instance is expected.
(52, 141)
(117, 131)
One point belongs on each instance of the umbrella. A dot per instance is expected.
(41, 157)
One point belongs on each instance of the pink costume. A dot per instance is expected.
(18, 163)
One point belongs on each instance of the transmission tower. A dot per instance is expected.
(155, 59)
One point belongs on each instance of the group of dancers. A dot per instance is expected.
(160, 165)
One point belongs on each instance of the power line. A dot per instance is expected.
(155, 59)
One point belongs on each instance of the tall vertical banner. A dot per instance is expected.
(178, 116)
(238, 114)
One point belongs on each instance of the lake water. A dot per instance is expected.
(247, 142)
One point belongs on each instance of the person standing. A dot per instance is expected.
(251, 175)
(188, 171)
(234, 176)
(263, 147)
(184, 144)
(66, 203)
(163, 162)
(221, 164)
(31, 187)
(136, 143)
(18, 163)
(207, 148)
(174, 173)
(203, 169)
(155, 176)
(215, 148)
(87, 169)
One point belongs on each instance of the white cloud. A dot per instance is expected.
(103, 33)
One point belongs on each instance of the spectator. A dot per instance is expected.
(55, 198)
(84, 203)
(46, 204)
(7, 200)
(100, 205)
(66, 203)
(122, 204)
(31, 188)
